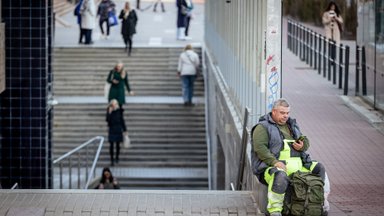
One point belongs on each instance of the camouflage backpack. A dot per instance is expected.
(305, 195)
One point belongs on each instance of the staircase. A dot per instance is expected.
(62, 7)
(168, 140)
(151, 71)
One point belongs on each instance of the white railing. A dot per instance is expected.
(83, 154)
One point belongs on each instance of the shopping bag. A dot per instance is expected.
(112, 19)
(127, 141)
(107, 87)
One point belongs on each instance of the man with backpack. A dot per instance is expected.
(278, 151)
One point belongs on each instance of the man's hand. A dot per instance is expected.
(298, 145)
(280, 165)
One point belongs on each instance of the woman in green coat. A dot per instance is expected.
(118, 78)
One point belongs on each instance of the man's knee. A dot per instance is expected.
(280, 182)
(320, 170)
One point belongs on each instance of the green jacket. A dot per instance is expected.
(117, 91)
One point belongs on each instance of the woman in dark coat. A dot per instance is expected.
(183, 6)
(116, 125)
(118, 78)
(128, 25)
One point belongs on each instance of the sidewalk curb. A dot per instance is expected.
(374, 117)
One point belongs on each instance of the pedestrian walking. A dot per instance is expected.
(188, 20)
(78, 15)
(105, 8)
(187, 71)
(161, 3)
(107, 180)
(182, 10)
(278, 150)
(118, 78)
(333, 22)
(116, 128)
(128, 26)
(88, 16)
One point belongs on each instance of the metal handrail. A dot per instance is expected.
(14, 186)
(311, 46)
(68, 157)
(244, 141)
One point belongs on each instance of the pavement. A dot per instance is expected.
(153, 28)
(346, 135)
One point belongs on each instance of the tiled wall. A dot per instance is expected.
(25, 113)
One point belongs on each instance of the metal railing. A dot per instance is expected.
(361, 66)
(244, 142)
(320, 53)
(83, 155)
(16, 185)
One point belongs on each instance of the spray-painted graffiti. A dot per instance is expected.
(273, 53)
(273, 86)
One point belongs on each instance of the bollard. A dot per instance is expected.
(346, 76)
(315, 52)
(363, 72)
(329, 59)
(341, 65)
(289, 36)
(307, 47)
(334, 57)
(357, 83)
(320, 54)
(310, 47)
(324, 57)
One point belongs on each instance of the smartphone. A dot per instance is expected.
(301, 138)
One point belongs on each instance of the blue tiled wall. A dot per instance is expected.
(25, 113)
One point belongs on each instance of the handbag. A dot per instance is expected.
(127, 141)
(184, 10)
(112, 19)
(107, 87)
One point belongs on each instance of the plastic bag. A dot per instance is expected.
(127, 141)
(107, 87)
(112, 19)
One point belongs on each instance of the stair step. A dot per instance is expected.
(162, 135)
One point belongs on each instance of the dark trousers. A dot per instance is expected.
(128, 43)
(101, 22)
(187, 25)
(162, 6)
(88, 36)
(111, 150)
(82, 35)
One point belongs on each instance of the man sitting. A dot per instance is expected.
(279, 149)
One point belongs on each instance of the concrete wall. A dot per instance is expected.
(225, 127)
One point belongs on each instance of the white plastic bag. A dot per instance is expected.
(107, 87)
(127, 141)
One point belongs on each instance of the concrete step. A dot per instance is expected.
(163, 135)
(163, 183)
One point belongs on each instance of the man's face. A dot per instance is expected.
(280, 114)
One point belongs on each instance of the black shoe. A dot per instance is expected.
(112, 164)
(186, 103)
(117, 161)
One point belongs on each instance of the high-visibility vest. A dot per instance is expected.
(293, 164)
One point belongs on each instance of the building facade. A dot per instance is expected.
(370, 39)
(24, 102)
(242, 59)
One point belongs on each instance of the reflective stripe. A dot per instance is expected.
(293, 164)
